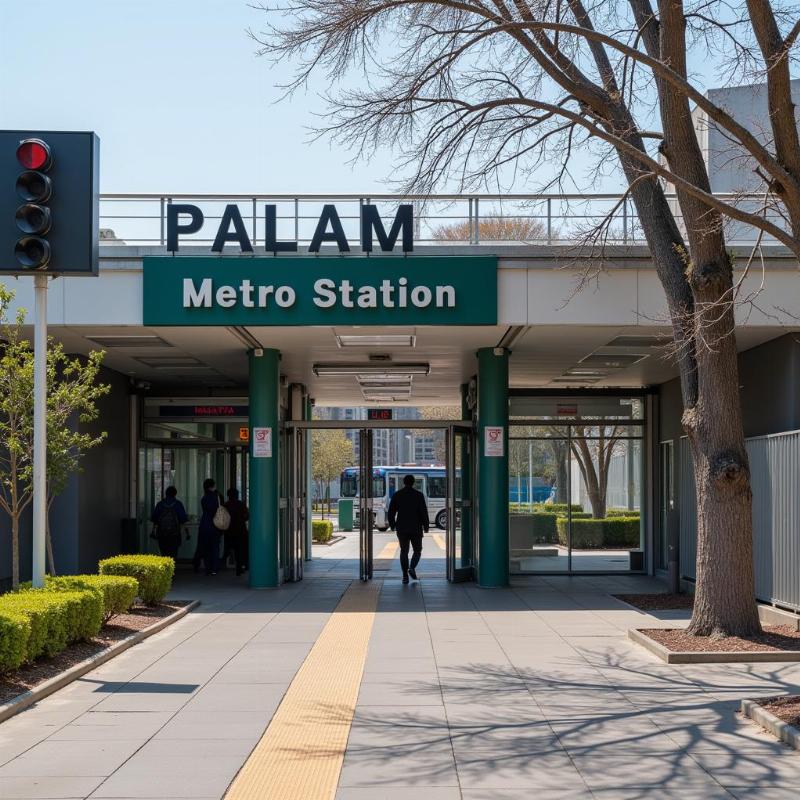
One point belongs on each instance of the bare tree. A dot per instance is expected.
(496, 228)
(593, 450)
(487, 92)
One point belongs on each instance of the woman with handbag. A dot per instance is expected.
(214, 520)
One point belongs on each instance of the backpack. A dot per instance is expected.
(222, 517)
(168, 523)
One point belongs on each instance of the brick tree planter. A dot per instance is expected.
(709, 656)
(770, 722)
(42, 690)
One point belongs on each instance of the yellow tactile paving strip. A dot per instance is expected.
(385, 559)
(300, 754)
(439, 539)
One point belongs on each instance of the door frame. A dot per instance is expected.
(365, 521)
(455, 573)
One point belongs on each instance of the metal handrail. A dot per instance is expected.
(555, 214)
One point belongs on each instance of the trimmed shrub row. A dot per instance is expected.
(118, 591)
(621, 512)
(321, 530)
(621, 532)
(153, 574)
(42, 622)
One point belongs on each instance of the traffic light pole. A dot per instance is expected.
(38, 566)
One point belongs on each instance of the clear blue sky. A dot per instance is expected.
(174, 90)
(178, 96)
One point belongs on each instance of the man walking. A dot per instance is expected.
(408, 515)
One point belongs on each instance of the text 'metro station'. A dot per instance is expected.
(184, 219)
(49, 202)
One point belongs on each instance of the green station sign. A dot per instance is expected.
(320, 290)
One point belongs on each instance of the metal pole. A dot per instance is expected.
(38, 561)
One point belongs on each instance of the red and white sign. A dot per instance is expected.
(494, 441)
(262, 442)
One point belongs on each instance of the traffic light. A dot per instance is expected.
(49, 202)
(33, 218)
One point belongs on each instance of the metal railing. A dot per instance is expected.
(774, 472)
(442, 219)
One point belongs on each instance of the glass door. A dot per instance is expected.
(460, 514)
(365, 517)
(299, 491)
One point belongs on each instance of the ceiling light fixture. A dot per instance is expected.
(394, 368)
(375, 340)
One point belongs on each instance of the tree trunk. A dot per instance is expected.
(15, 550)
(50, 557)
(725, 593)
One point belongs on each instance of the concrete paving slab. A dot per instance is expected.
(47, 787)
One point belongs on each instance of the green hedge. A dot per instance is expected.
(557, 508)
(54, 618)
(621, 512)
(117, 591)
(322, 530)
(14, 633)
(153, 573)
(619, 532)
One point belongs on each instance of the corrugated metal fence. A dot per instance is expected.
(775, 475)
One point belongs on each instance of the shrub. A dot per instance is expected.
(322, 530)
(577, 515)
(621, 512)
(153, 573)
(544, 528)
(117, 591)
(55, 618)
(557, 508)
(621, 532)
(14, 632)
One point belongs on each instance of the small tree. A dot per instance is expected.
(16, 423)
(72, 395)
(331, 452)
(594, 461)
(495, 229)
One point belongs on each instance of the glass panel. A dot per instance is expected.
(606, 485)
(464, 513)
(538, 493)
(667, 504)
(570, 408)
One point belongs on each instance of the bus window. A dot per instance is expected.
(437, 486)
(378, 486)
(349, 486)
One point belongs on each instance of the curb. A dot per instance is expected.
(48, 687)
(718, 657)
(777, 727)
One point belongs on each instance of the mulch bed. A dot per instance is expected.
(658, 602)
(773, 639)
(786, 708)
(119, 628)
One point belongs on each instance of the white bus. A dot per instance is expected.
(431, 481)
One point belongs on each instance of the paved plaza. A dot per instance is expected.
(531, 691)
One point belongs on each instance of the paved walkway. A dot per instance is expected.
(532, 691)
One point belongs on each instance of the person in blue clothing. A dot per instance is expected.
(208, 535)
(167, 518)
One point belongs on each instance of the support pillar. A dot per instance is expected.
(467, 489)
(493, 466)
(309, 411)
(264, 489)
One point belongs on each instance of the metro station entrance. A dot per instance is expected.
(452, 516)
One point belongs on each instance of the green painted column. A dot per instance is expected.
(467, 490)
(492, 466)
(308, 410)
(264, 489)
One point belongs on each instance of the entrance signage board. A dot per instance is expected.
(303, 290)
(494, 441)
(262, 442)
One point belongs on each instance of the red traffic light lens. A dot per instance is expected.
(34, 154)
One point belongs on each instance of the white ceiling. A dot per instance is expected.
(217, 358)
